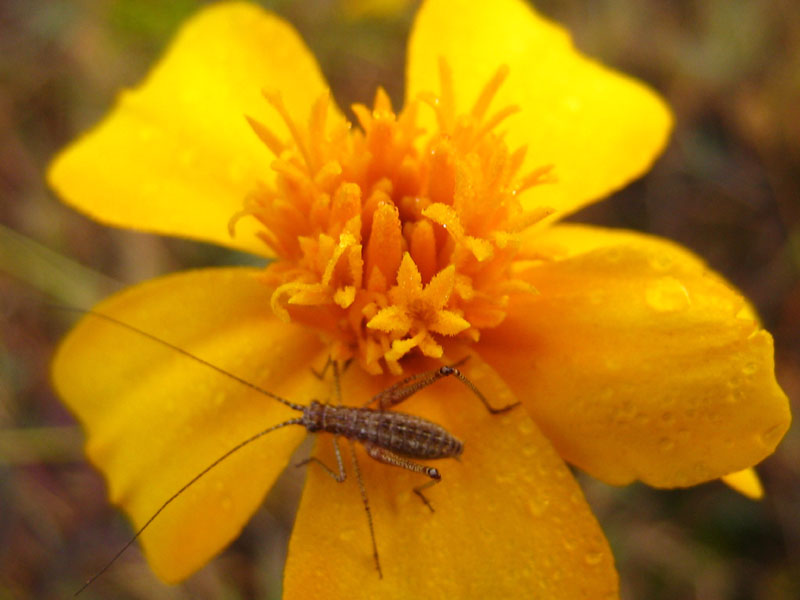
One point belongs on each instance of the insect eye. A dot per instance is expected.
(446, 370)
(434, 474)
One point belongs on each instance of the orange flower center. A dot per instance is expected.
(391, 239)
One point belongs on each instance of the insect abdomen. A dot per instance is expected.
(407, 435)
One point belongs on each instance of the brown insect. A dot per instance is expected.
(392, 438)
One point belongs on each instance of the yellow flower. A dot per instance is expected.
(409, 240)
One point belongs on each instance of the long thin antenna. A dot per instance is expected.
(297, 407)
(237, 447)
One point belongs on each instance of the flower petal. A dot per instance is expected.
(638, 362)
(746, 482)
(176, 155)
(599, 128)
(510, 519)
(154, 419)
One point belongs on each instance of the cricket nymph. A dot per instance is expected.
(407, 435)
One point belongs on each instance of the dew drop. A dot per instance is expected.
(625, 412)
(538, 506)
(525, 426)
(749, 369)
(613, 254)
(666, 444)
(667, 294)
(593, 558)
(771, 435)
(661, 262)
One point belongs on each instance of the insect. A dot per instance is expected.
(390, 437)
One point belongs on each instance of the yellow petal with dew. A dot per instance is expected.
(746, 482)
(510, 519)
(638, 362)
(176, 155)
(154, 418)
(598, 128)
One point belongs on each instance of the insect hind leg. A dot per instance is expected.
(418, 491)
(388, 457)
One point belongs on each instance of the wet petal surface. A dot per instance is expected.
(154, 418)
(510, 519)
(637, 361)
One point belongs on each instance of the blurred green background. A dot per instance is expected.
(727, 187)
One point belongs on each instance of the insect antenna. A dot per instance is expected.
(236, 448)
(186, 353)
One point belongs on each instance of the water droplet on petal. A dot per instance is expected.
(538, 506)
(667, 294)
(661, 262)
(666, 444)
(593, 558)
(771, 435)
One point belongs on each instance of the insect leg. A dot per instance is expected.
(342, 475)
(338, 390)
(321, 373)
(400, 391)
(362, 488)
(388, 457)
(418, 491)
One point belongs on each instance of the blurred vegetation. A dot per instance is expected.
(728, 187)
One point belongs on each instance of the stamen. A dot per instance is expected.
(489, 92)
(497, 118)
(538, 176)
(390, 239)
(276, 100)
(316, 126)
(446, 108)
(270, 140)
